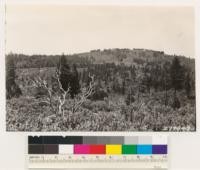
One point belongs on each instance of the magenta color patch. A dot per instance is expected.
(81, 149)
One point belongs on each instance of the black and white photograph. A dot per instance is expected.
(100, 68)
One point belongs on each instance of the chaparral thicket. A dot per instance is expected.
(101, 90)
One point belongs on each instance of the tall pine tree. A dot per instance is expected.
(177, 79)
(177, 74)
(65, 74)
(166, 80)
(69, 78)
(12, 89)
(74, 82)
(188, 85)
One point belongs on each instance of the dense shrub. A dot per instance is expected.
(30, 114)
(99, 95)
(96, 106)
(39, 92)
(148, 112)
(22, 118)
(129, 99)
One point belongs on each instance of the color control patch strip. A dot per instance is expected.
(109, 145)
(92, 152)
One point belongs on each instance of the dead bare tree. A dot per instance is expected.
(38, 82)
(59, 101)
(63, 95)
(85, 93)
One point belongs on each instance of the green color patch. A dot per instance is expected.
(129, 149)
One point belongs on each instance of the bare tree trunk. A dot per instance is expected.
(57, 100)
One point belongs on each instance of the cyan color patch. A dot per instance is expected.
(144, 149)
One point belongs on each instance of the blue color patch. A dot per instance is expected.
(144, 149)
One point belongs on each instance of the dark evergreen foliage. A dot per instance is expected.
(188, 86)
(65, 74)
(130, 99)
(143, 73)
(12, 89)
(177, 74)
(69, 77)
(74, 82)
(136, 90)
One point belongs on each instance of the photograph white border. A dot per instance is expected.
(14, 159)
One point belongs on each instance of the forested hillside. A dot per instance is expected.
(101, 90)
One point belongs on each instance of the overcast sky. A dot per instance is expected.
(54, 29)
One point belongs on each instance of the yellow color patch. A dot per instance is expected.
(113, 149)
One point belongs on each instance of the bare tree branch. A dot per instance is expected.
(57, 101)
(84, 95)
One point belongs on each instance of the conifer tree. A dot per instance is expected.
(177, 76)
(12, 89)
(65, 74)
(74, 82)
(188, 85)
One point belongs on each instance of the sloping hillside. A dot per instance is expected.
(117, 56)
